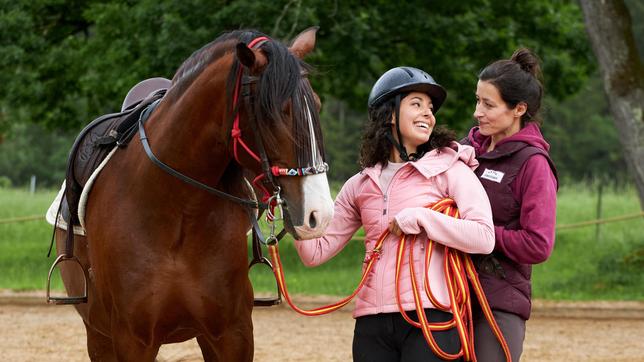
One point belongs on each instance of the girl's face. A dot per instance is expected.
(416, 120)
(495, 118)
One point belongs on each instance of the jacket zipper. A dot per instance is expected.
(380, 266)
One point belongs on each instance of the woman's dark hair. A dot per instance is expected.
(376, 147)
(518, 79)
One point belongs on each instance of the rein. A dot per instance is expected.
(458, 269)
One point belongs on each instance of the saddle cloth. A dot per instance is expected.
(90, 153)
(56, 218)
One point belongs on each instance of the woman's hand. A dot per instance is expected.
(394, 228)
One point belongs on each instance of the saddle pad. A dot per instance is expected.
(50, 216)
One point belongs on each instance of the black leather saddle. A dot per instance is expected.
(91, 147)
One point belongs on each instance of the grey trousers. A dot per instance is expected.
(486, 345)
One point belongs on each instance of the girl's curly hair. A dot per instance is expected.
(376, 147)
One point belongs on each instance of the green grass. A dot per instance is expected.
(23, 246)
(581, 267)
(339, 276)
(586, 267)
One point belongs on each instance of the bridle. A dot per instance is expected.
(270, 200)
(269, 172)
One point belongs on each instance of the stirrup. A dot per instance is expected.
(67, 300)
(268, 301)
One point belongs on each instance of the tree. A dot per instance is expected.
(66, 62)
(609, 28)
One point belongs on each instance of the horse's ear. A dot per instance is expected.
(253, 59)
(245, 55)
(304, 43)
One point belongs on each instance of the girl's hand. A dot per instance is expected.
(394, 228)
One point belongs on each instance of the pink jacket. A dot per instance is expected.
(361, 202)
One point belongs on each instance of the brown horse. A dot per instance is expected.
(167, 261)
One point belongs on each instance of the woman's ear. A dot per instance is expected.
(520, 109)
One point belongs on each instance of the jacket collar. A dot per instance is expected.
(434, 162)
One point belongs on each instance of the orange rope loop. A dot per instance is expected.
(458, 269)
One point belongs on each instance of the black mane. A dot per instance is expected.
(280, 82)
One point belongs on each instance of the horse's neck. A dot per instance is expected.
(190, 132)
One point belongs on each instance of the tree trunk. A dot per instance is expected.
(608, 24)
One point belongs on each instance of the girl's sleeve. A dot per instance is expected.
(346, 221)
(473, 232)
(533, 242)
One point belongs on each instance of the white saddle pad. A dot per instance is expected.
(50, 216)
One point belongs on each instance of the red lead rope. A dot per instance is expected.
(458, 268)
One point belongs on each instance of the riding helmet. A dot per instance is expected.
(406, 79)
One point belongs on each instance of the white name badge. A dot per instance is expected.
(493, 175)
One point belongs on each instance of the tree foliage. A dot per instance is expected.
(76, 59)
(66, 62)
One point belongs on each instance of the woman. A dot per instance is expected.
(520, 180)
(407, 163)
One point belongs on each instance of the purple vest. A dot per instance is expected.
(506, 283)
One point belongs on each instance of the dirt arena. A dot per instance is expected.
(30, 330)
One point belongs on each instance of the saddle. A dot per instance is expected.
(97, 140)
(91, 147)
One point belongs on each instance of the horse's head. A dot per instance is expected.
(278, 114)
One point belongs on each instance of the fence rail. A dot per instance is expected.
(558, 227)
(600, 221)
(14, 220)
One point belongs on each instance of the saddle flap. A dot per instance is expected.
(93, 145)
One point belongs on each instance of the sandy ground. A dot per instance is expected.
(30, 330)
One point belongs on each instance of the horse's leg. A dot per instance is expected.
(128, 347)
(233, 345)
(208, 353)
(99, 347)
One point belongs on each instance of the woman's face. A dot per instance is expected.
(495, 118)
(416, 120)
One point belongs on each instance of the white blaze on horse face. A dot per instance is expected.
(314, 148)
(317, 202)
(318, 207)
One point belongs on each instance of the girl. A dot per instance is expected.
(407, 163)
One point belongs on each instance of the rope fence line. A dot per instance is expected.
(578, 224)
(558, 227)
(22, 219)
(600, 221)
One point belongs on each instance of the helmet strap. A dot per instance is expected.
(398, 144)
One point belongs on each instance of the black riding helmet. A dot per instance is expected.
(405, 80)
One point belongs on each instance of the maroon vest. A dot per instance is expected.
(506, 283)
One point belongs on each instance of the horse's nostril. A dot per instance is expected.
(312, 220)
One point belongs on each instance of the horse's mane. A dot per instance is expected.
(279, 82)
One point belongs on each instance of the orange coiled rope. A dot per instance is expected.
(458, 267)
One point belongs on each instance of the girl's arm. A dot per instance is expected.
(473, 232)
